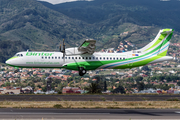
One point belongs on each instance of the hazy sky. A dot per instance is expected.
(60, 1)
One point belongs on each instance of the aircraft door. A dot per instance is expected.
(130, 61)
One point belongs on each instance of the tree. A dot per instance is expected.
(60, 87)
(178, 83)
(140, 86)
(7, 84)
(94, 88)
(119, 89)
(168, 78)
(39, 86)
(160, 78)
(139, 78)
(105, 86)
(69, 79)
(44, 89)
(145, 68)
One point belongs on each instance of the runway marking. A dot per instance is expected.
(17, 113)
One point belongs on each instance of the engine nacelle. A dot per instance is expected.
(72, 51)
(175, 59)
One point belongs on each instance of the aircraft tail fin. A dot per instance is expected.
(160, 45)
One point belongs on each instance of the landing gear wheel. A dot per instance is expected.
(82, 71)
(17, 70)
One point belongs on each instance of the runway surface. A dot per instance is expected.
(87, 97)
(12, 113)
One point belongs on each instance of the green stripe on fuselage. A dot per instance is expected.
(12, 58)
(141, 63)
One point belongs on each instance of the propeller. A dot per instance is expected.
(60, 47)
(64, 49)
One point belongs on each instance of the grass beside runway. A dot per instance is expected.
(92, 104)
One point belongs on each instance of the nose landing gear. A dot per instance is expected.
(82, 71)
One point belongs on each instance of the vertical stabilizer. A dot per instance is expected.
(160, 44)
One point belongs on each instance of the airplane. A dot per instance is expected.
(85, 58)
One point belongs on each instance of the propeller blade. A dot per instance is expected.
(64, 57)
(64, 46)
(64, 50)
(60, 48)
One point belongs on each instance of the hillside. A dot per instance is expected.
(113, 17)
(43, 26)
(38, 26)
(141, 12)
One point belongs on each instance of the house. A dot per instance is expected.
(27, 89)
(71, 90)
(11, 90)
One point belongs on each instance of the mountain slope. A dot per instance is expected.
(38, 26)
(142, 12)
(42, 26)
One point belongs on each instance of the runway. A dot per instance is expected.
(87, 97)
(52, 114)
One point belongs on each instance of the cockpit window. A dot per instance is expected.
(18, 55)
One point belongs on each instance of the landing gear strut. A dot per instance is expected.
(82, 71)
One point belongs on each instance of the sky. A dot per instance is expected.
(60, 1)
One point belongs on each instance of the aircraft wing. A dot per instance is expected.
(88, 46)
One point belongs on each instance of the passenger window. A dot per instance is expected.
(117, 58)
(55, 57)
(79, 57)
(110, 58)
(45, 57)
(69, 57)
(93, 58)
(114, 58)
(72, 57)
(76, 57)
(82, 57)
(86, 58)
(90, 58)
(107, 58)
(42, 57)
(123, 58)
(52, 57)
(49, 57)
(59, 57)
(100, 58)
(96, 58)
(65, 57)
(21, 55)
(120, 58)
(104, 58)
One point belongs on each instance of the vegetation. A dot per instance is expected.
(94, 88)
(42, 26)
(92, 104)
(9, 48)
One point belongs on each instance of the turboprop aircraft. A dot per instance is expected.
(85, 58)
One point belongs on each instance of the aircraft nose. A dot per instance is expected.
(7, 62)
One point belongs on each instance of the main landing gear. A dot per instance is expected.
(82, 71)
